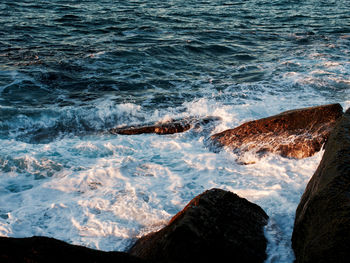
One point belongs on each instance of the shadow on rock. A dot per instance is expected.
(216, 226)
(322, 223)
(44, 249)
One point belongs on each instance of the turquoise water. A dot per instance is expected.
(71, 70)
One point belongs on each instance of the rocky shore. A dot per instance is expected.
(218, 225)
(322, 222)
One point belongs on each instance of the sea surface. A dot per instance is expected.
(71, 70)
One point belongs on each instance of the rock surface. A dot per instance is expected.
(216, 226)
(169, 127)
(297, 133)
(44, 249)
(322, 224)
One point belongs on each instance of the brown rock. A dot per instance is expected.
(44, 249)
(297, 133)
(322, 223)
(169, 127)
(215, 226)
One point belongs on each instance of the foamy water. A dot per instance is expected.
(104, 191)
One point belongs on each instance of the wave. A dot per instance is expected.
(43, 125)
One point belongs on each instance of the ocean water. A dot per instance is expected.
(71, 70)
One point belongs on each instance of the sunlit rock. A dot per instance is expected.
(297, 133)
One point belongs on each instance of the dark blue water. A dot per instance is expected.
(71, 70)
(158, 54)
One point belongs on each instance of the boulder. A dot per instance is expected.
(216, 226)
(322, 222)
(168, 127)
(44, 249)
(297, 133)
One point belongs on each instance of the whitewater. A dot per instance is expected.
(71, 71)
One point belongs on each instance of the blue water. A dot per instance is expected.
(71, 70)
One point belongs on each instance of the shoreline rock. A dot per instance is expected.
(168, 127)
(215, 226)
(45, 249)
(322, 222)
(296, 133)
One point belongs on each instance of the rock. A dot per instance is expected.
(297, 133)
(169, 127)
(163, 128)
(322, 222)
(215, 226)
(44, 249)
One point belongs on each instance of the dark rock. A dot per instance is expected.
(297, 133)
(44, 249)
(169, 127)
(322, 223)
(215, 226)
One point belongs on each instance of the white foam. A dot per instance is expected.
(104, 191)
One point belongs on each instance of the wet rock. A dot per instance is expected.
(322, 223)
(169, 127)
(216, 226)
(297, 133)
(163, 128)
(44, 249)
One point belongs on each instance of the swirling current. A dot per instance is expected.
(72, 70)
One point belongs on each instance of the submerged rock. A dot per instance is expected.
(215, 226)
(322, 222)
(297, 133)
(169, 127)
(44, 249)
